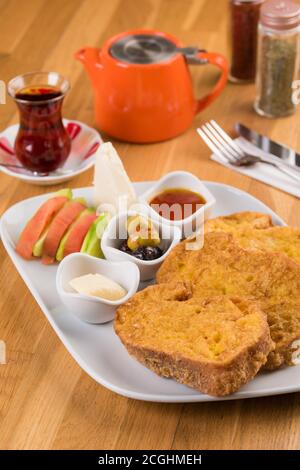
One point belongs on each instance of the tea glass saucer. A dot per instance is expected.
(84, 142)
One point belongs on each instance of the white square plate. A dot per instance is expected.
(96, 348)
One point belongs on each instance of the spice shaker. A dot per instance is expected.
(277, 64)
(243, 35)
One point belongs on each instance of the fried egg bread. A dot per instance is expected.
(239, 220)
(224, 267)
(214, 345)
(254, 230)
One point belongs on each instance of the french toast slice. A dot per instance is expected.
(238, 220)
(222, 266)
(254, 230)
(214, 345)
(275, 239)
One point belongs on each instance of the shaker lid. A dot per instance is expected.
(143, 49)
(280, 14)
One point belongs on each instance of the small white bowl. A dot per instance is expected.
(111, 240)
(93, 309)
(180, 179)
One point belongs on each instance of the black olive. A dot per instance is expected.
(152, 252)
(125, 248)
(146, 253)
(139, 253)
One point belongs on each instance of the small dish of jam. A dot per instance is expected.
(179, 199)
(177, 203)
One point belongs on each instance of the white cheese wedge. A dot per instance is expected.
(98, 285)
(112, 185)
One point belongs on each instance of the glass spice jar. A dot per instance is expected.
(278, 51)
(244, 22)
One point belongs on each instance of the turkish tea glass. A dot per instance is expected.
(42, 143)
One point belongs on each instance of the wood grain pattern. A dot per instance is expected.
(46, 401)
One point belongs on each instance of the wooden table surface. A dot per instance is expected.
(46, 400)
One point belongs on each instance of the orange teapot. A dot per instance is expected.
(143, 87)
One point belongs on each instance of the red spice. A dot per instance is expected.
(244, 22)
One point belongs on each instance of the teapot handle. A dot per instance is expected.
(221, 62)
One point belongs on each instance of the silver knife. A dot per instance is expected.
(284, 153)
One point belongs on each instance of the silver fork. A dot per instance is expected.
(230, 152)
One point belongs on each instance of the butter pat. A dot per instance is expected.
(112, 185)
(97, 285)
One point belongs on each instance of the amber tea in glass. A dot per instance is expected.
(42, 143)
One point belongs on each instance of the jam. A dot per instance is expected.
(177, 203)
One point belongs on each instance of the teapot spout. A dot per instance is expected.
(90, 58)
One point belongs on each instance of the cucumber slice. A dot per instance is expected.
(91, 243)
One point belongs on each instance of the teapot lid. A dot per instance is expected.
(143, 49)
